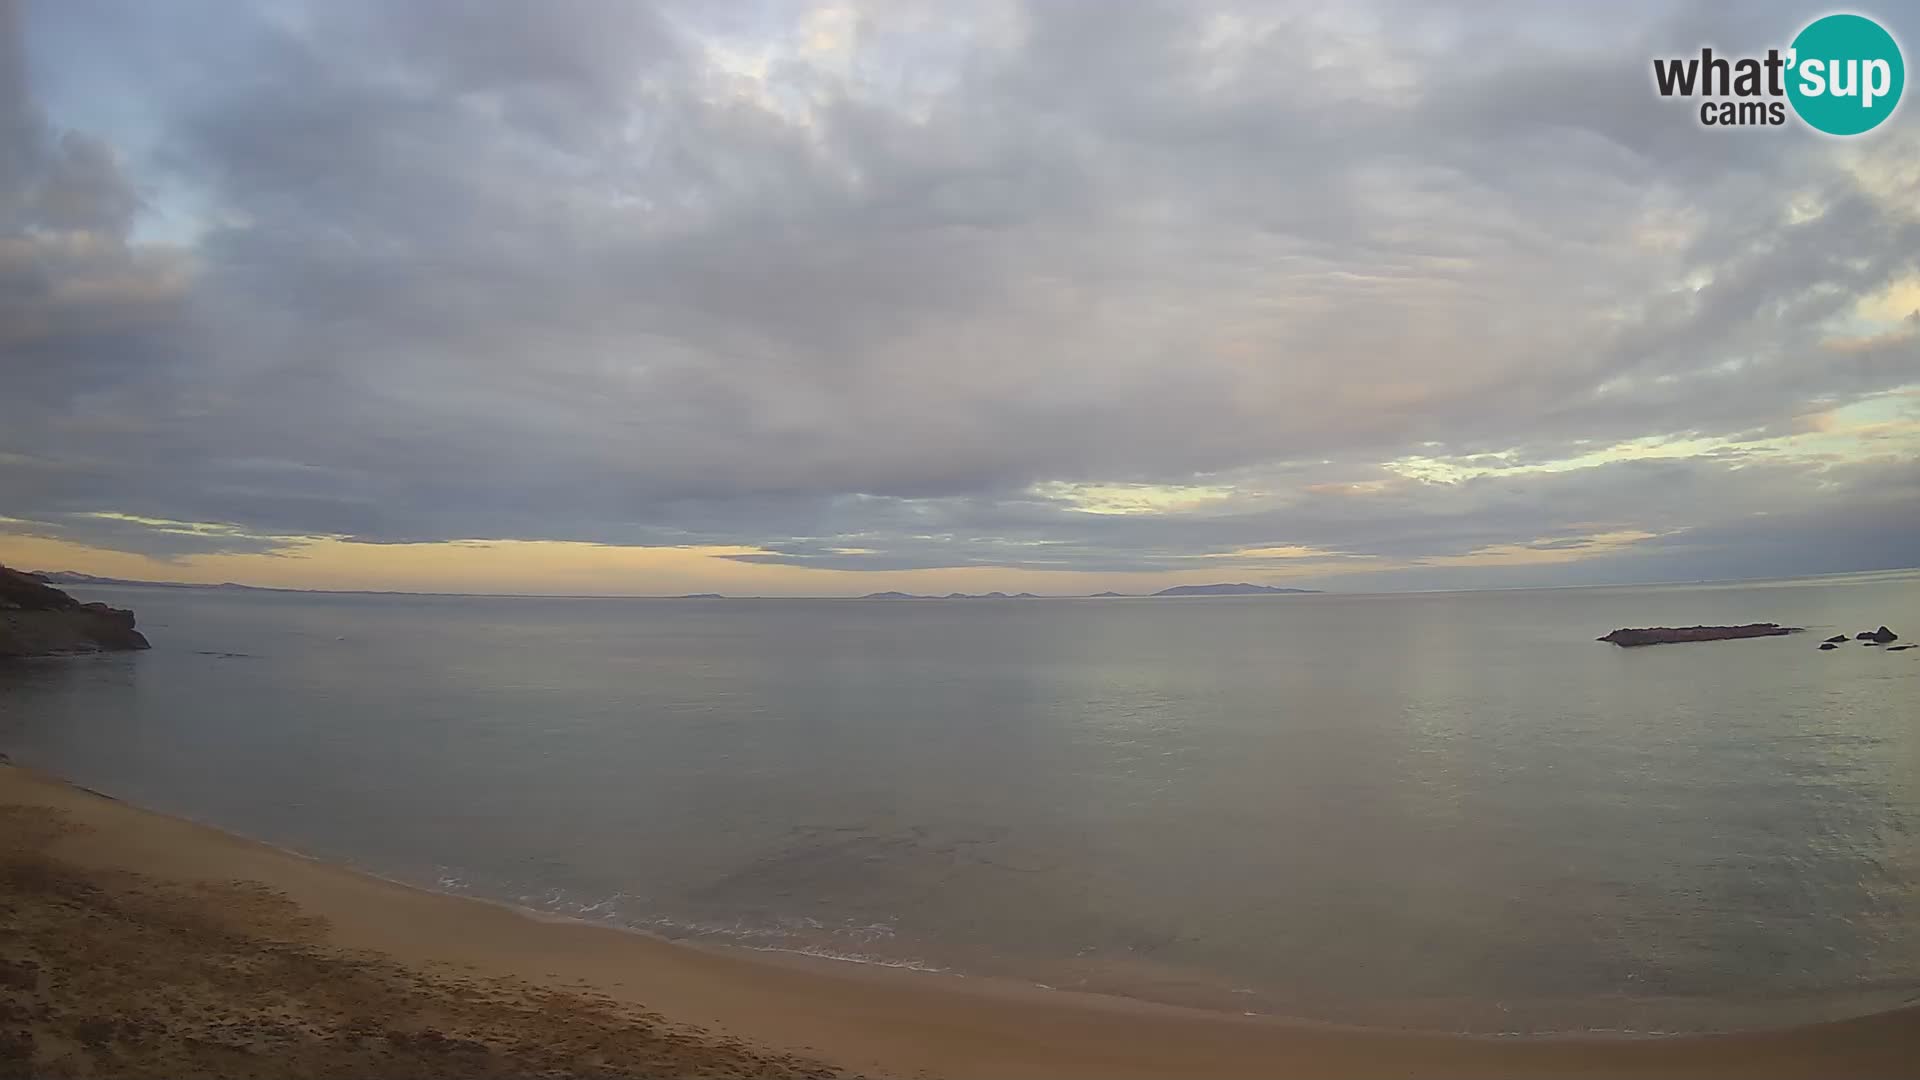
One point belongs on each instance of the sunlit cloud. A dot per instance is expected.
(1542, 551)
(1896, 303)
(1133, 498)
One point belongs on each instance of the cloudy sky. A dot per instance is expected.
(792, 298)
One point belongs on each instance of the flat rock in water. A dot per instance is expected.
(1668, 635)
(1826, 645)
(1837, 639)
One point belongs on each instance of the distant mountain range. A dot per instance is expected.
(73, 577)
(1240, 588)
(950, 596)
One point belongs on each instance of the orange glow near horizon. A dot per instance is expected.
(552, 567)
(565, 568)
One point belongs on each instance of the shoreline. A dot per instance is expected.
(886, 1021)
(822, 960)
(829, 962)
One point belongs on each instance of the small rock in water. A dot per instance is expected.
(1900, 648)
(1837, 638)
(1826, 645)
(1884, 635)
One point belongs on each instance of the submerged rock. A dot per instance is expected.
(1667, 635)
(1900, 648)
(37, 619)
(1826, 645)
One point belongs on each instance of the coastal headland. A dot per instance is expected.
(37, 619)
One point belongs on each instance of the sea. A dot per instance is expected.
(1443, 811)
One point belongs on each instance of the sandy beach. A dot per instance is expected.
(136, 944)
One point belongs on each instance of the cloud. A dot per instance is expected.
(158, 539)
(1031, 286)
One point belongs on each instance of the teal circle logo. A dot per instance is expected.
(1847, 74)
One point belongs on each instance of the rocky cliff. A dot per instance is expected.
(37, 619)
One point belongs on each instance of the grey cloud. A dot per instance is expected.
(159, 541)
(483, 271)
(88, 322)
(1866, 513)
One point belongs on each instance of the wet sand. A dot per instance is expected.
(135, 944)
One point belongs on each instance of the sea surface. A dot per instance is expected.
(1449, 811)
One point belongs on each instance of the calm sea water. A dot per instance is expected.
(1450, 811)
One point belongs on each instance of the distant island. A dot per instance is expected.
(74, 577)
(1240, 588)
(701, 596)
(892, 595)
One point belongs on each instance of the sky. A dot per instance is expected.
(828, 298)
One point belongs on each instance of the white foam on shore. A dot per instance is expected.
(778, 937)
(557, 904)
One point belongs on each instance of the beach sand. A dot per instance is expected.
(135, 944)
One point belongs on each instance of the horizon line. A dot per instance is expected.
(1300, 591)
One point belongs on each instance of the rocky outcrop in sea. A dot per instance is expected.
(1667, 635)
